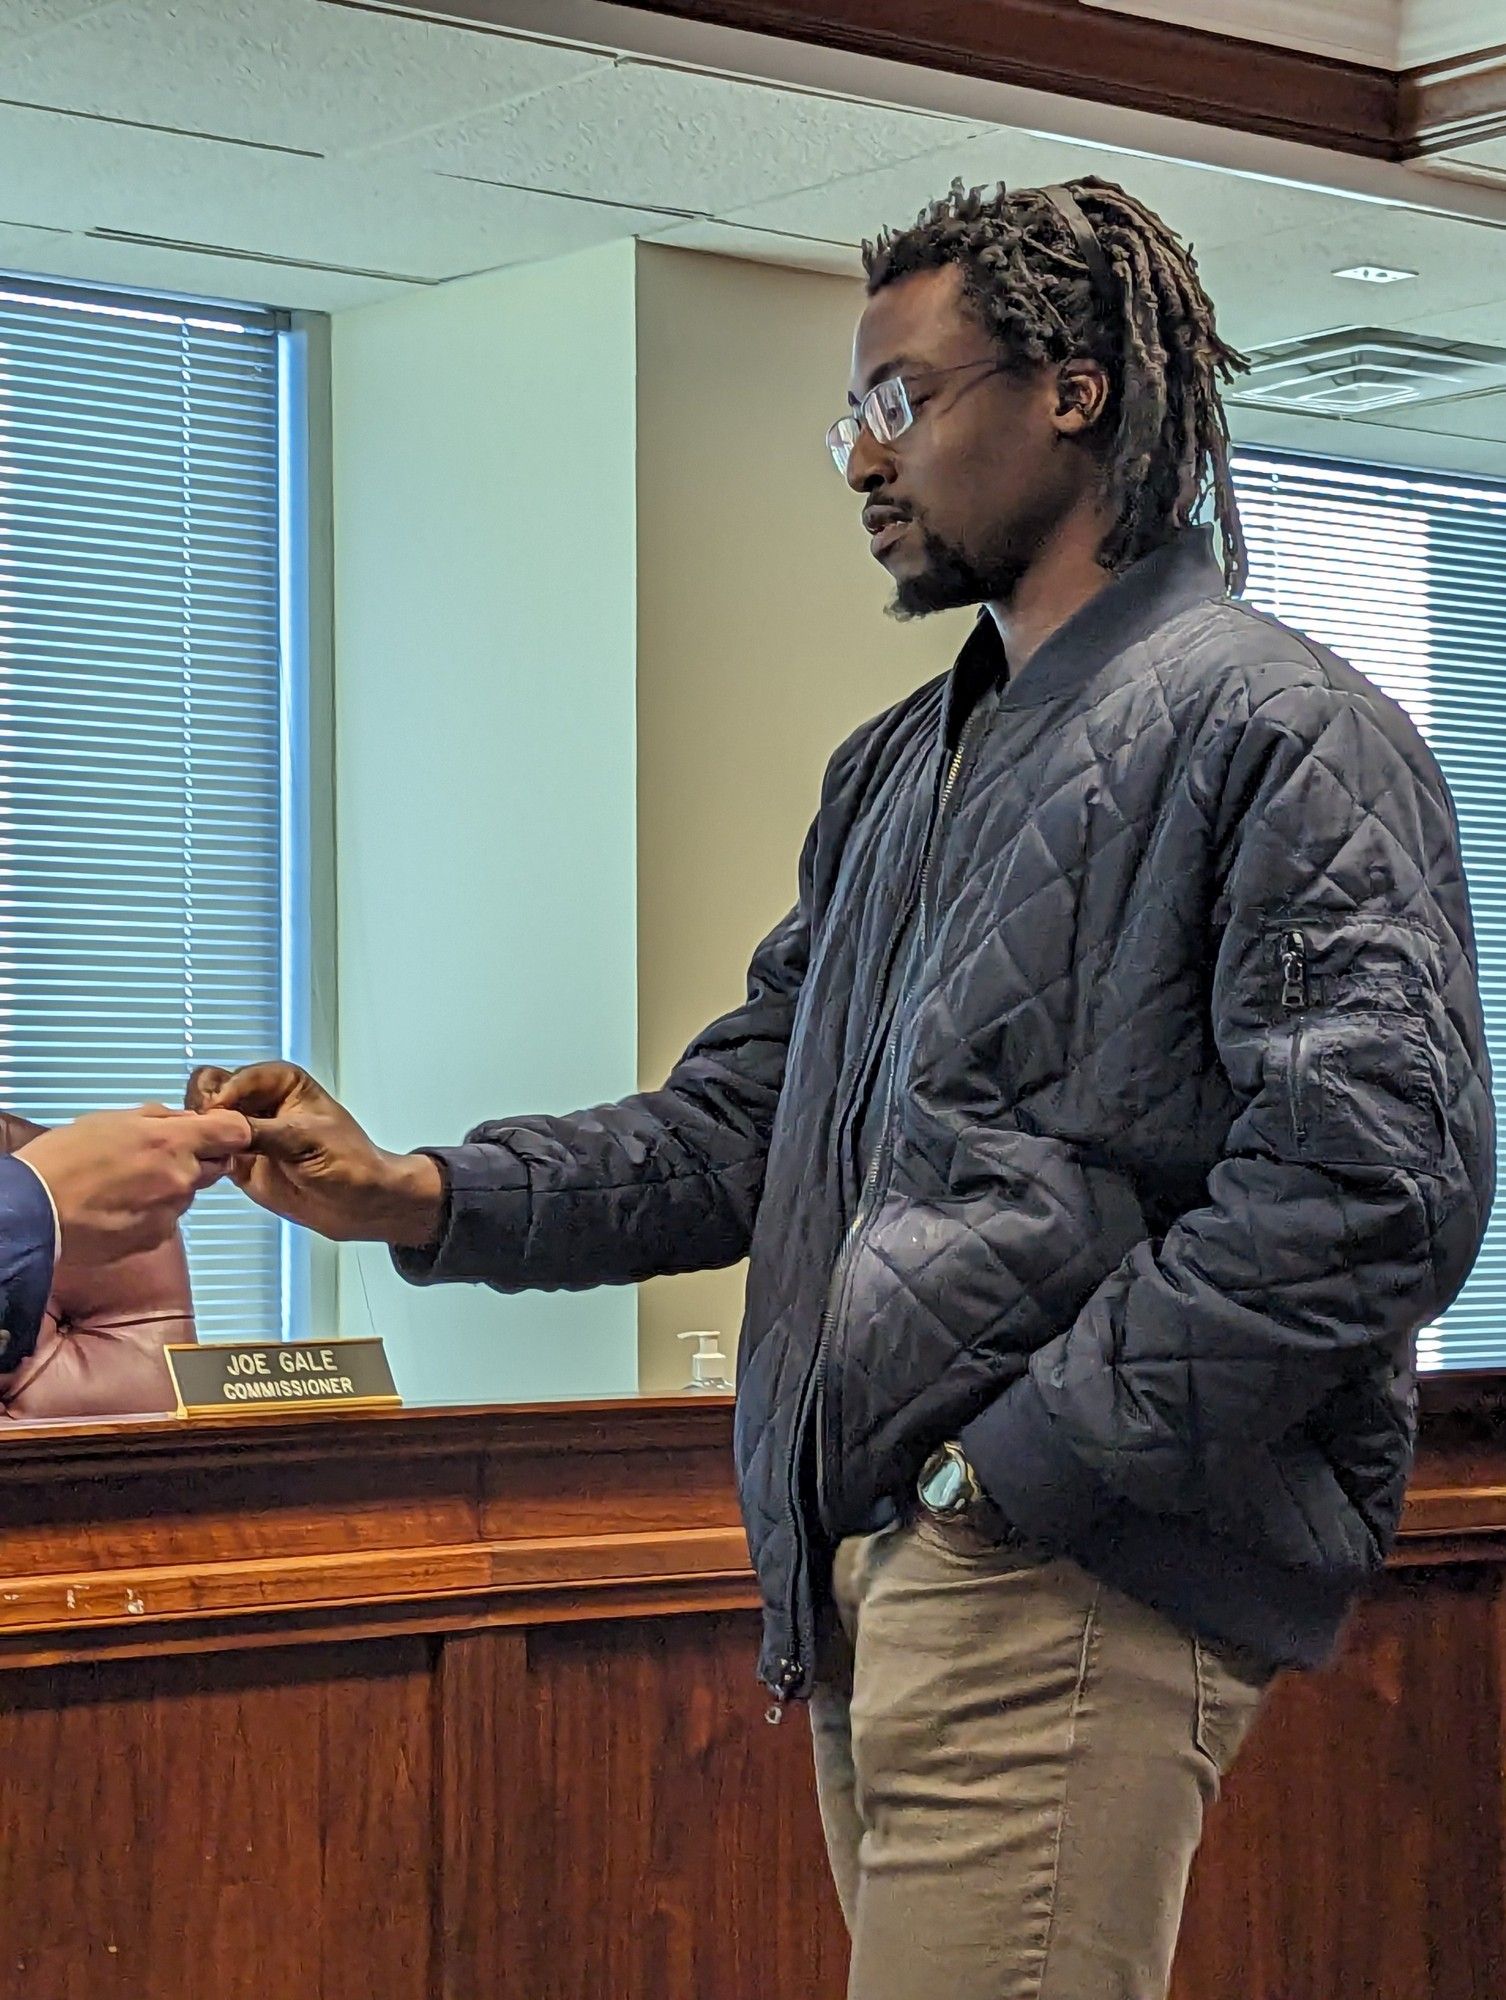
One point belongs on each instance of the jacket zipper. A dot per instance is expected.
(949, 785)
(791, 1671)
(1294, 986)
(839, 1270)
(878, 1165)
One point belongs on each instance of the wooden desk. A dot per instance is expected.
(460, 1703)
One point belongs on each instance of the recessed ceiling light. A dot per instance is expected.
(1375, 274)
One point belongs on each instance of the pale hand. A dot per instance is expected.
(120, 1180)
(310, 1162)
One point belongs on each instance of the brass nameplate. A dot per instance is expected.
(232, 1378)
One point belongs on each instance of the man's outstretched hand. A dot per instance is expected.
(310, 1161)
(120, 1180)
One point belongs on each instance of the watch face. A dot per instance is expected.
(943, 1487)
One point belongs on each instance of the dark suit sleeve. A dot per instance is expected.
(28, 1232)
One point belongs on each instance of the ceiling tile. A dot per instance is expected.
(1485, 322)
(1458, 263)
(183, 274)
(430, 228)
(1365, 439)
(1481, 417)
(675, 139)
(291, 73)
(762, 246)
(1266, 251)
(1489, 153)
(21, 19)
(26, 250)
(1203, 205)
(1279, 286)
(863, 203)
(87, 176)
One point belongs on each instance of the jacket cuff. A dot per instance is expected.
(485, 1227)
(28, 1231)
(1029, 1471)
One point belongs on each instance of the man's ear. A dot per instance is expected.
(1082, 396)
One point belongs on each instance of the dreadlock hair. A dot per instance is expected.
(1166, 437)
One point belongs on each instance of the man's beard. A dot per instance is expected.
(952, 578)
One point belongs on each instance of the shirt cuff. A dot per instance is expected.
(28, 1253)
(57, 1222)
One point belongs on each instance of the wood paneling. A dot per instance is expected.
(535, 1764)
(255, 1829)
(1358, 1848)
(655, 1836)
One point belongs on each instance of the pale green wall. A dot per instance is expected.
(484, 554)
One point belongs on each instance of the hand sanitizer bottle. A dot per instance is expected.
(708, 1366)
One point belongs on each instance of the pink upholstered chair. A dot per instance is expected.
(99, 1352)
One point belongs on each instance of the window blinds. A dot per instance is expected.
(1405, 575)
(141, 760)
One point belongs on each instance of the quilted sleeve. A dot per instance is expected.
(668, 1180)
(1354, 1188)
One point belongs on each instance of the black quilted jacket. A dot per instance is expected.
(1114, 1096)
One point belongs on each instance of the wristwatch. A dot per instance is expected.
(948, 1486)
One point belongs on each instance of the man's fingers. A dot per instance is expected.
(283, 1139)
(261, 1090)
(203, 1085)
(220, 1135)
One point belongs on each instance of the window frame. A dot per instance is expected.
(310, 1012)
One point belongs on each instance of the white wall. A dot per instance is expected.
(484, 557)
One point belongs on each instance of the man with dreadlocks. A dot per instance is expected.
(1102, 1123)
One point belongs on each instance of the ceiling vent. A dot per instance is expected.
(1359, 369)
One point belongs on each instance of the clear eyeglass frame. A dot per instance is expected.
(886, 412)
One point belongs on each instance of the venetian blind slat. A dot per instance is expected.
(140, 729)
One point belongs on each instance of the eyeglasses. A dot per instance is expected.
(886, 412)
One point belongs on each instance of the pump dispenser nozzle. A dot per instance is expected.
(708, 1366)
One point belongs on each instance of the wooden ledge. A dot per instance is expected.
(614, 1423)
(164, 1534)
(153, 1533)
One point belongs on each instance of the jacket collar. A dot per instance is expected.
(1153, 591)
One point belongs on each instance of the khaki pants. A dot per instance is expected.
(1013, 1762)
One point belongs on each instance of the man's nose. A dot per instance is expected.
(869, 464)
